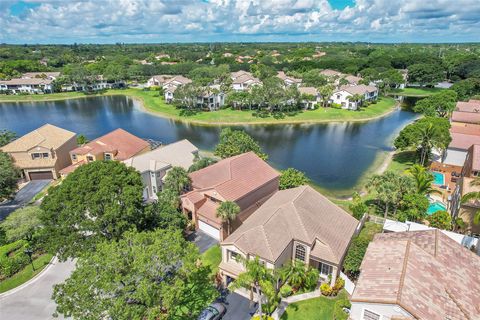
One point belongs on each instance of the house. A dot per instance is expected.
(116, 145)
(41, 75)
(27, 85)
(158, 80)
(467, 210)
(459, 118)
(288, 80)
(211, 98)
(243, 80)
(310, 97)
(470, 106)
(417, 275)
(245, 179)
(154, 165)
(43, 152)
(463, 137)
(353, 80)
(170, 85)
(343, 95)
(297, 223)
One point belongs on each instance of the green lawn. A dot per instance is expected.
(155, 104)
(401, 161)
(45, 97)
(26, 274)
(321, 308)
(415, 92)
(212, 257)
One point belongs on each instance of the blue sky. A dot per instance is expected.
(110, 21)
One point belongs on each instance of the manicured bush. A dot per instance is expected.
(13, 258)
(339, 284)
(338, 313)
(325, 289)
(286, 290)
(264, 317)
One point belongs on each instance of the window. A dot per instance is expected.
(36, 156)
(154, 189)
(234, 256)
(45, 155)
(74, 157)
(369, 315)
(325, 269)
(89, 158)
(338, 96)
(300, 252)
(108, 156)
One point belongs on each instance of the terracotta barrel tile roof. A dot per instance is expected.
(468, 117)
(468, 106)
(463, 141)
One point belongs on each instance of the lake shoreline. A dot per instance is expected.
(149, 109)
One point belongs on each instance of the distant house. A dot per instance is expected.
(158, 80)
(212, 98)
(417, 275)
(353, 80)
(331, 73)
(43, 152)
(170, 85)
(310, 97)
(245, 179)
(343, 95)
(459, 117)
(294, 224)
(117, 145)
(472, 106)
(288, 80)
(154, 165)
(243, 80)
(463, 137)
(31, 82)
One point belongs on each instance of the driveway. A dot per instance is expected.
(33, 301)
(238, 307)
(22, 197)
(202, 240)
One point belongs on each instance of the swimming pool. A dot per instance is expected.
(435, 206)
(438, 178)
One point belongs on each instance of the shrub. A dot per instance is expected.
(325, 289)
(339, 284)
(264, 317)
(338, 313)
(13, 258)
(286, 290)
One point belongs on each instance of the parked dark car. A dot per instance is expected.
(215, 311)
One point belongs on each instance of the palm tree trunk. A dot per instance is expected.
(260, 311)
(386, 210)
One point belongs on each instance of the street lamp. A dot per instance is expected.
(29, 253)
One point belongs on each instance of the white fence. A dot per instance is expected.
(349, 285)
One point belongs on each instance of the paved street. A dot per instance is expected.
(33, 301)
(22, 197)
(202, 240)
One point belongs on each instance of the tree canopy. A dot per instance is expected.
(22, 223)
(440, 104)
(441, 220)
(147, 275)
(8, 176)
(235, 142)
(98, 201)
(6, 137)
(177, 180)
(292, 178)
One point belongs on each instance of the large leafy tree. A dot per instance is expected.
(424, 135)
(8, 176)
(98, 201)
(423, 179)
(201, 163)
(22, 224)
(177, 180)
(227, 211)
(413, 207)
(291, 178)
(440, 104)
(467, 88)
(235, 142)
(146, 275)
(425, 74)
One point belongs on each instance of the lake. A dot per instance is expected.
(333, 155)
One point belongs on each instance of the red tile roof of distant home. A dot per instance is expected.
(121, 143)
(234, 177)
(463, 141)
(468, 106)
(474, 152)
(425, 272)
(466, 128)
(467, 117)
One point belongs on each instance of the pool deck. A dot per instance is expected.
(450, 180)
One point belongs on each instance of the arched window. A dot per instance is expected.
(300, 252)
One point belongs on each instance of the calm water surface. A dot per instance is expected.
(333, 155)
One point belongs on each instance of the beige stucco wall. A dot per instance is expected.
(62, 154)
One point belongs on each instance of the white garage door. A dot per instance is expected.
(208, 229)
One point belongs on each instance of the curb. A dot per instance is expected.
(32, 280)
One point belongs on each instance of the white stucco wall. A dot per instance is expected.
(386, 311)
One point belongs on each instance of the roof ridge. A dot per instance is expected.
(295, 208)
(451, 296)
(266, 240)
(404, 269)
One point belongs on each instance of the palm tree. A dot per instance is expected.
(255, 274)
(423, 179)
(227, 211)
(177, 180)
(426, 141)
(326, 92)
(474, 195)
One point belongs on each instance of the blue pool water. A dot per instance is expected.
(438, 178)
(434, 207)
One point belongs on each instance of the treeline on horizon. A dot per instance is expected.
(427, 64)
